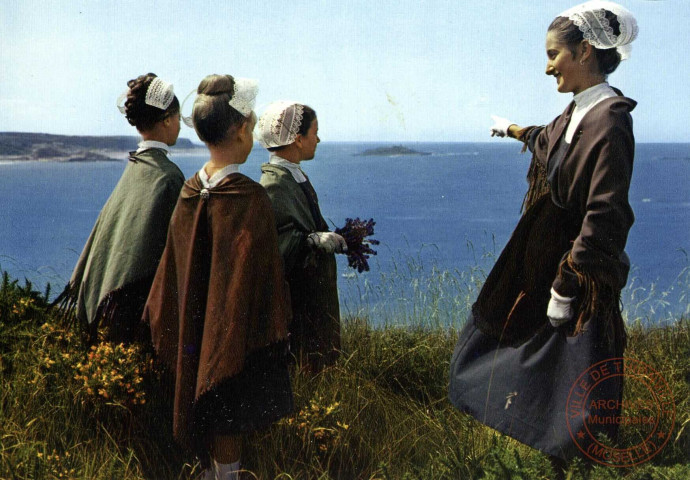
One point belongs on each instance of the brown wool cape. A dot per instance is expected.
(219, 294)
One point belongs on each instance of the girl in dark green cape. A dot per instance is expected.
(112, 278)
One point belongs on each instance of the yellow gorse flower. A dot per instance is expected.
(115, 372)
(318, 424)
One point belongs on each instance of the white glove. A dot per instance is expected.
(327, 241)
(560, 309)
(500, 126)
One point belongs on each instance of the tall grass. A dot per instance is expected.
(654, 304)
(380, 413)
(413, 290)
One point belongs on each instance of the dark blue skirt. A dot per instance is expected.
(522, 390)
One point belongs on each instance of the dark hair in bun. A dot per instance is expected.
(214, 119)
(137, 112)
(569, 34)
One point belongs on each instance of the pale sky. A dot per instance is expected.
(398, 70)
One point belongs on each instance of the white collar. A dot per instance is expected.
(584, 102)
(294, 168)
(593, 95)
(146, 144)
(218, 176)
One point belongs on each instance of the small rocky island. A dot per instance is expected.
(20, 146)
(393, 151)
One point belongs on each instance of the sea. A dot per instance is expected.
(442, 219)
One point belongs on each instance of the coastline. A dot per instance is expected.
(19, 147)
(93, 156)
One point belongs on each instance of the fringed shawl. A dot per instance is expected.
(219, 293)
(116, 267)
(512, 303)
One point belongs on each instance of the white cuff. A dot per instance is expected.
(560, 309)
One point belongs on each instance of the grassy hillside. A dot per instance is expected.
(67, 411)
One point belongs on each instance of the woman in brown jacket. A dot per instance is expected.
(549, 308)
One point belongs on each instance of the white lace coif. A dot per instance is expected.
(279, 124)
(159, 94)
(244, 95)
(243, 99)
(590, 18)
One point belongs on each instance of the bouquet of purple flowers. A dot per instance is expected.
(358, 246)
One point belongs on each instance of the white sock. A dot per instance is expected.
(226, 471)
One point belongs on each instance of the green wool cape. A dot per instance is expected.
(311, 273)
(122, 253)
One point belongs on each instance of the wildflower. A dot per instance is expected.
(358, 250)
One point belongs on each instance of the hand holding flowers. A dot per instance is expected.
(355, 233)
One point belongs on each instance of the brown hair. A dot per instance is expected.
(569, 34)
(214, 119)
(137, 112)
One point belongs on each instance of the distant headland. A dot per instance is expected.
(20, 146)
(389, 152)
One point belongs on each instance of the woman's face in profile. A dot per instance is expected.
(564, 66)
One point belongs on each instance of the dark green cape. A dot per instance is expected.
(121, 255)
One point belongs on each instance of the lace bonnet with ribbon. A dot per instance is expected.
(159, 94)
(243, 98)
(590, 18)
(279, 124)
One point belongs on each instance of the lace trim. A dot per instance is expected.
(160, 94)
(280, 124)
(590, 19)
(244, 95)
(595, 28)
(285, 126)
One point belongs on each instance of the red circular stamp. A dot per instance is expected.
(643, 417)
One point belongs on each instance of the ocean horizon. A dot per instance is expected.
(450, 211)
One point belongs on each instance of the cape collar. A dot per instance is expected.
(294, 168)
(593, 95)
(148, 144)
(218, 176)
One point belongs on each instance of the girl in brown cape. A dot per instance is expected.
(219, 306)
(549, 308)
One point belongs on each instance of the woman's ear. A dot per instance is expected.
(586, 51)
(242, 131)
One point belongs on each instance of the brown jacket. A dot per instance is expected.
(219, 293)
(593, 181)
(585, 218)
